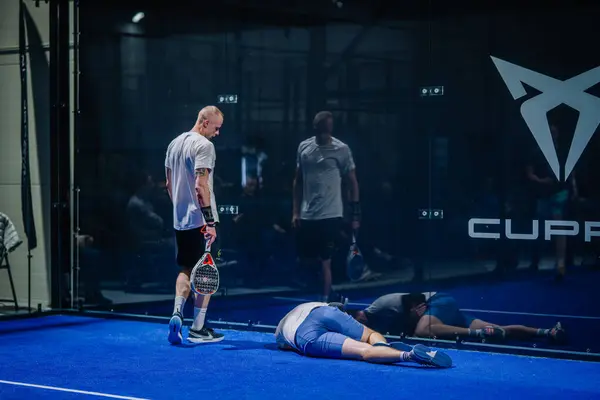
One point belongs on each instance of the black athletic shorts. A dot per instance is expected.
(317, 238)
(190, 246)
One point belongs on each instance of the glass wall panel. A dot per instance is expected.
(513, 161)
(448, 120)
(144, 83)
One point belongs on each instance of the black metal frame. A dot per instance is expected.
(60, 150)
(5, 265)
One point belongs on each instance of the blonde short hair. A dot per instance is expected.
(209, 111)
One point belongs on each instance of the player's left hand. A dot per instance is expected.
(420, 309)
(355, 225)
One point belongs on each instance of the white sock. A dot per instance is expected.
(179, 304)
(199, 315)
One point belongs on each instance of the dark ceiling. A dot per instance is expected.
(164, 17)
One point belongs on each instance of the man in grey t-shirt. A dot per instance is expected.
(387, 313)
(440, 316)
(323, 164)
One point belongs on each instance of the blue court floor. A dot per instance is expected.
(69, 357)
(536, 301)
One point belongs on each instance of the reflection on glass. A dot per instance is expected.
(439, 315)
(329, 206)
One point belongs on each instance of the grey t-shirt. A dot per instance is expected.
(386, 314)
(322, 169)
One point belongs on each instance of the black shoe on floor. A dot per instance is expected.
(204, 335)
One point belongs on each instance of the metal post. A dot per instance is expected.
(76, 268)
(60, 152)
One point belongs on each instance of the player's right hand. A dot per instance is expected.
(295, 221)
(420, 309)
(210, 234)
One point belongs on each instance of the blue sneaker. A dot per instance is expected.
(396, 345)
(426, 356)
(401, 346)
(175, 325)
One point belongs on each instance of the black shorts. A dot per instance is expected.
(190, 247)
(317, 238)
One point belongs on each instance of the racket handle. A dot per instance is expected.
(207, 246)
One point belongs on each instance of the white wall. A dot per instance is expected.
(10, 159)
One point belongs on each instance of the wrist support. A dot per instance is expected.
(355, 211)
(208, 215)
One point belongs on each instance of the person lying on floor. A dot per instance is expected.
(323, 330)
(439, 316)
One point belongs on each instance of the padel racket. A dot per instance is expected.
(205, 275)
(355, 262)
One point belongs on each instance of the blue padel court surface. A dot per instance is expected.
(537, 302)
(72, 357)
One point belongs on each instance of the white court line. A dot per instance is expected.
(531, 314)
(112, 396)
(469, 310)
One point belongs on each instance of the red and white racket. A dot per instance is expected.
(205, 275)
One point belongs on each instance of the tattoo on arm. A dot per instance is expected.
(168, 182)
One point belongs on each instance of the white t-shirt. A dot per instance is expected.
(285, 334)
(185, 154)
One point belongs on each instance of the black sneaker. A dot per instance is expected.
(494, 332)
(558, 334)
(175, 324)
(204, 335)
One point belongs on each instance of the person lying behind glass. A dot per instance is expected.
(439, 316)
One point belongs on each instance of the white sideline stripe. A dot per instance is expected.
(531, 314)
(112, 396)
(469, 310)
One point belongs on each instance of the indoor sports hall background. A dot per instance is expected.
(447, 111)
(464, 153)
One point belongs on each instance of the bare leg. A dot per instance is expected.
(182, 291)
(355, 350)
(326, 278)
(371, 337)
(376, 337)
(201, 301)
(432, 326)
(182, 288)
(365, 351)
(514, 331)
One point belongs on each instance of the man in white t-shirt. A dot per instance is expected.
(189, 167)
(323, 330)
